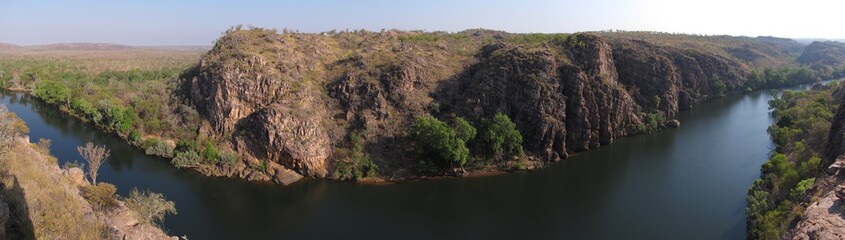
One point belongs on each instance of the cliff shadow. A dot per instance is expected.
(19, 224)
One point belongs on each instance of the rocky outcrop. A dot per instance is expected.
(670, 79)
(559, 106)
(821, 220)
(292, 99)
(123, 223)
(260, 90)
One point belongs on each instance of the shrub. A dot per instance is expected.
(500, 138)
(151, 207)
(187, 145)
(11, 127)
(210, 153)
(228, 159)
(100, 195)
(135, 136)
(186, 159)
(359, 164)
(155, 147)
(44, 145)
(652, 121)
(797, 193)
(434, 141)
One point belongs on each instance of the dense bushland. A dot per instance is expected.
(780, 195)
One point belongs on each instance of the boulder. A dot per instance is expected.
(76, 175)
(673, 123)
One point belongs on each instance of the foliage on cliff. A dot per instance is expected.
(780, 195)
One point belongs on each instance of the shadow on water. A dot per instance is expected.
(684, 183)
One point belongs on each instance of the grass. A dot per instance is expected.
(43, 204)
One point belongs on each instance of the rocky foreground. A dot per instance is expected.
(44, 202)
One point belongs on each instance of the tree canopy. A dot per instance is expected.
(435, 141)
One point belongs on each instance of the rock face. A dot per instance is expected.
(557, 105)
(292, 99)
(264, 100)
(821, 220)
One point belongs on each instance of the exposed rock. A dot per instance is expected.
(76, 175)
(821, 220)
(285, 176)
(266, 99)
(673, 123)
(836, 167)
(123, 224)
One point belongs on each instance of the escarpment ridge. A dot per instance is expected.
(295, 100)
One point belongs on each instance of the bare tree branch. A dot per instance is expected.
(95, 156)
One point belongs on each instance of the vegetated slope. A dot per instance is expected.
(821, 204)
(778, 198)
(826, 58)
(294, 100)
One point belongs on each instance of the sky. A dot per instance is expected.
(195, 22)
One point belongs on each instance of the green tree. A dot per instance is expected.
(500, 138)
(464, 130)
(52, 92)
(435, 141)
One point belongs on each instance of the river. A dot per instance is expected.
(685, 183)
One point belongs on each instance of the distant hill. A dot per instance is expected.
(7, 46)
(96, 47)
(811, 40)
(824, 57)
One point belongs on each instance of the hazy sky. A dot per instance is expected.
(171, 22)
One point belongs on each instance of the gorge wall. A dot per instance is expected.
(294, 99)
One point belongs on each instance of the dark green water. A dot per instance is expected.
(686, 183)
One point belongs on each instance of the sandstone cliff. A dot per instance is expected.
(292, 99)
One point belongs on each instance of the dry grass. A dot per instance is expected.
(44, 204)
(95, 61)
